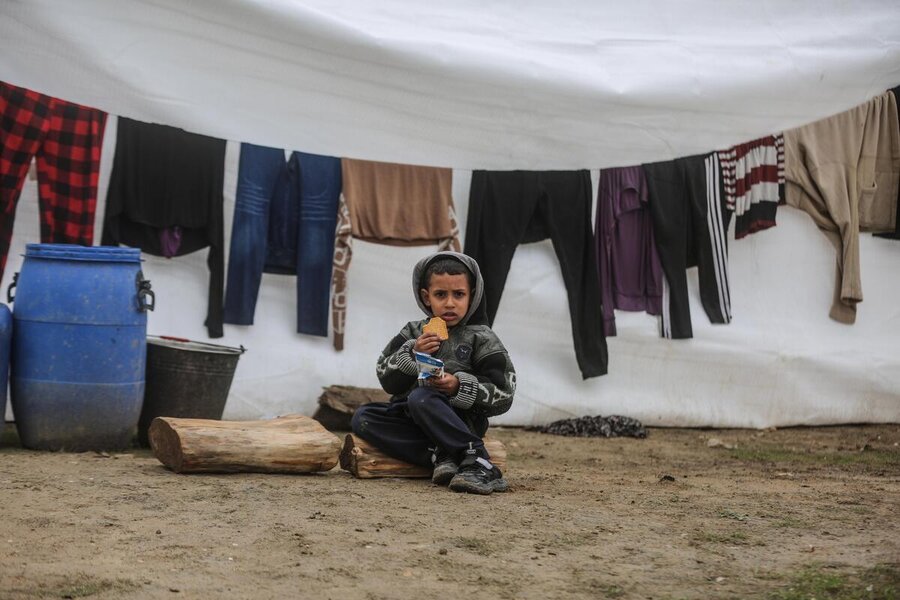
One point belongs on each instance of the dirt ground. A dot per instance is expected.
(792, 513)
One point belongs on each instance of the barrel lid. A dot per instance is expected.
(192, 346)
(88, 253)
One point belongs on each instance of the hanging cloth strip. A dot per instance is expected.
(66, 139)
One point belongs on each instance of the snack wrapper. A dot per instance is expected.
(429, 366)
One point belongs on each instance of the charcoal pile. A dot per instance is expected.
(612, 426)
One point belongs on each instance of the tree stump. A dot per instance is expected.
(338, 403)
(289, 444)
(365, 461)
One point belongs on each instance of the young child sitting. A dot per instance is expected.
(440, 424)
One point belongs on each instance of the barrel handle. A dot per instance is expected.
(144, 294)
(10, 297)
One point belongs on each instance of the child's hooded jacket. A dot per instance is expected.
(487, 379)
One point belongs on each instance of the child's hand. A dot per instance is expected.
(427, 343)
(447, 383)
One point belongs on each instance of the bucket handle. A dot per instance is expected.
(10, 297)
(185, 340)
(144, 293)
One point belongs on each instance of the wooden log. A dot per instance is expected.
(365, 461)
(338, 403)
(289, 444)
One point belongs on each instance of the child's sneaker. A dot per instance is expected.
(477, 475)
(444, 468)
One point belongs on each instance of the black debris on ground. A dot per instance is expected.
(612, 426)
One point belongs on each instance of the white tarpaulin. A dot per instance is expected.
(468, 84)
(566, 85)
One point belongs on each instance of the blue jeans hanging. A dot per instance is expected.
(285, 215)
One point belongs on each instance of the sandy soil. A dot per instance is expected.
(783, 512)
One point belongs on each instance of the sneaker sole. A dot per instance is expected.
(443, 477)
(469, 487)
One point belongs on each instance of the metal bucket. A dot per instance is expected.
(186, 379)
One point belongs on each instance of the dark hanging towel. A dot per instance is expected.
(896, 233)
(165, 197)
(508, 208)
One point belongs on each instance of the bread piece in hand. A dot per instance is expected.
(437, 325)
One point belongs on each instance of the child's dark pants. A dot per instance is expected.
(409, 429)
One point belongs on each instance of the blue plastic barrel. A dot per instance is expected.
(6, 327)
(79, 349)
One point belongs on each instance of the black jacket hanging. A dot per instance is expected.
(165, 197)
(896, 233)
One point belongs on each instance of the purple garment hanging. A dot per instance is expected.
(170, 240)
(630, 271)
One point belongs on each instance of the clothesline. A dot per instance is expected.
(279, 207)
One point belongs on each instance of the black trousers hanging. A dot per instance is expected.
(689, 225)
(508, 208)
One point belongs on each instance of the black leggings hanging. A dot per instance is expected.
(508, 208)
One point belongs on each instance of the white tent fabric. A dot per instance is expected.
(467, 84)
(782, 361)
(524, 86)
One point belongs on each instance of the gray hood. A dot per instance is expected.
(476, 313)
